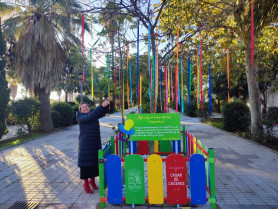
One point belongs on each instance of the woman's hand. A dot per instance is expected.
(106, 102)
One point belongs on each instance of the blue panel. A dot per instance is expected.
(198, 179)
(174, 146)
(114, 180)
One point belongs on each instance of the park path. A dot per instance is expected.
(44, 170)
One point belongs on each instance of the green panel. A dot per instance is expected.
(134, 179)
(165, 146)
(158, 126)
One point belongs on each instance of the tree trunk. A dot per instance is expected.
(45, 115)
(253, 90)
(66, 96)
(264, 101)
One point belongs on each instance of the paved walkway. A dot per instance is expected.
(44, 170)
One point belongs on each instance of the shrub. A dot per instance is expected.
(86, 100)
(75, 108)
(205, 113)
(56, 118)
(66, 112)
(190, 110)
(71, 103)
(236, 116)
(270, 119)
(26, 112)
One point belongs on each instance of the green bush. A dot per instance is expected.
(75, 109)
(270, 119)
(205, 113)
(86, 100)
(236, 116)
(66, 112)
(190, 110)
(56, 118)
(26, 112)
(71, 103)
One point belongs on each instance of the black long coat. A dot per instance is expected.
(89, 137)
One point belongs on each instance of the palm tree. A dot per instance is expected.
(43, 28)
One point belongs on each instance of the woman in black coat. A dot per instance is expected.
(89, 142)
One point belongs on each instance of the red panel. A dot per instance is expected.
(143, 147)
(176, 179)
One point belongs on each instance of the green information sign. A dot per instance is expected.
(159, 126)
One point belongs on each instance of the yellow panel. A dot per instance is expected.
(155, 179)
(195, 147)
(155, 146)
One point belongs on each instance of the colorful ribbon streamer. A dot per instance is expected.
(140, 94)
(137, 93)
(228, 75)
(92, 75)
(201, 72)
(210, 99)
(115, 84)
(108, 86)
(189, 80)
(149, 56)
(182, 108)
(82, 34)
(176, 72)
(166, 88)
(161, 92)
(130, 84)
(127, 84)
(197, 79)
(172, 90)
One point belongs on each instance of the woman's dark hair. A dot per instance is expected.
(81, 105)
